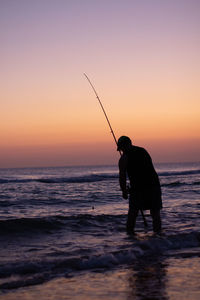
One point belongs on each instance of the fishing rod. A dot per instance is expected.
(145, 222)
(102, 108)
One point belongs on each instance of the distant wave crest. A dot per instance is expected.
(175, 184)
(89, 178)
(75, 179)
(179, 173)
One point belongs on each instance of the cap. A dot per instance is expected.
(123, 140)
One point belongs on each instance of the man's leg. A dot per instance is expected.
(155, 214)
(132, 216)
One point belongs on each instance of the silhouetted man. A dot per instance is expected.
(145, 191)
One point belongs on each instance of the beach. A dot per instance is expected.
(63, 236)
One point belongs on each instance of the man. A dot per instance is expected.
(145, 191)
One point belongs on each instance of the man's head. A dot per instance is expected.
(124, 143)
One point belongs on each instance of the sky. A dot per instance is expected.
(142, 57)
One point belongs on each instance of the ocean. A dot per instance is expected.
(63, 236)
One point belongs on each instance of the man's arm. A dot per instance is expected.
(122, 175)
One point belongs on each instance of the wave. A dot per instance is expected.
(43, 224)
(89, 178)
(101, 177)
(179, 173)
(27, 225)
(79, 179)
(41, 270)
(76, 179)
(179, 183)
(172, 184)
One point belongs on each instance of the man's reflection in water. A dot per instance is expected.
(148, 280)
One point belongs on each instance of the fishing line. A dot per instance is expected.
(145, 222)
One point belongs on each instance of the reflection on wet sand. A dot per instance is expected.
(148, 280)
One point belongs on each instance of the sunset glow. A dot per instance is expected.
(142, 57)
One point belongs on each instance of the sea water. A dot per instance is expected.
(63, 236)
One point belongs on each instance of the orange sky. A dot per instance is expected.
(142, 57)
